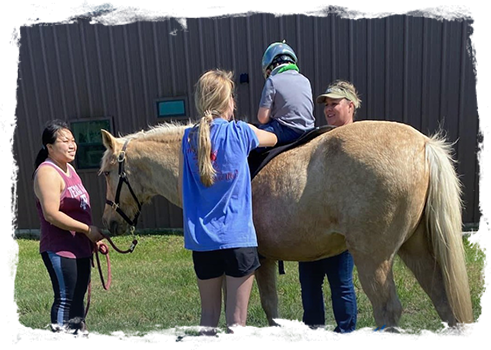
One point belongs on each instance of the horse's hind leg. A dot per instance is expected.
(416, 254)
(266, 282)
(376, 278)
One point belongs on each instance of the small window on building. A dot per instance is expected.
(90, 148)
(107, 5)
(2, 169)
(171, 107)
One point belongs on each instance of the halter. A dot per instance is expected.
(103, 248)
(123, 178)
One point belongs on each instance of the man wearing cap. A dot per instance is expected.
(341, 102)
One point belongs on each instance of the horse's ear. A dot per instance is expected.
(107, 139)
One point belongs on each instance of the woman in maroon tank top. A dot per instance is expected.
(67, 234)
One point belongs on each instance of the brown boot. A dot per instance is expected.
(80, 337)
(62, 338)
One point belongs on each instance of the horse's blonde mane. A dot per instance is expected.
(161, 132)
(165, 132)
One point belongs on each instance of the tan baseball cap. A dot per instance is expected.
(338, 92)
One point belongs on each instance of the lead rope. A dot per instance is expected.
(104, 250)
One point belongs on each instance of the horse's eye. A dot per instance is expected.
(106, 173)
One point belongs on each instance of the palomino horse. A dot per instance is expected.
(377, 188)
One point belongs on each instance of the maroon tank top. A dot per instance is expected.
(75, 202)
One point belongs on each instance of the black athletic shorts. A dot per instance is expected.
(234, 262)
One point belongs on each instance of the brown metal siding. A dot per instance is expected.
(414, 70)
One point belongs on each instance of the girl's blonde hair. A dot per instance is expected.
(211, 97)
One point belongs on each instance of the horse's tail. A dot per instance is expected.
(443, 212)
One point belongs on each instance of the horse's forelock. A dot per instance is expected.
(107, 159)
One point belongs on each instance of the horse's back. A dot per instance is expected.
(353, 180)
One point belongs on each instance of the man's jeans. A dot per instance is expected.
(339, 271)
(283, 133)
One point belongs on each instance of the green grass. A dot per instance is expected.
(155, 288)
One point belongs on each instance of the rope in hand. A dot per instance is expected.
(104, 250)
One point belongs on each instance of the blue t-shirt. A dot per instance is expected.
(219, 216)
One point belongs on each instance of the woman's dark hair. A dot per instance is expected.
(49, 136)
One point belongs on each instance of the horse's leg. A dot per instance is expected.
(376, 278)
(266, 282)
(416, 254)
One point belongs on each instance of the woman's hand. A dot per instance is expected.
(94, 233)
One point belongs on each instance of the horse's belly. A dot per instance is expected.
(301, 249)
(297, 238)
(292, 225)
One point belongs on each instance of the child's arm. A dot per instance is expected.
(264, 115)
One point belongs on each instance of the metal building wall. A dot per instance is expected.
(414, 70)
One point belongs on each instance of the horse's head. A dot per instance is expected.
(122, 187)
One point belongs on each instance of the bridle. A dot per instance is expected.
(123, 178)
(102, 248)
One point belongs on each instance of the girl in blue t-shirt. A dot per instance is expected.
(215, 185)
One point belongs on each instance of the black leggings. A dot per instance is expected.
(69, 278)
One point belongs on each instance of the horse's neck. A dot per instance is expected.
(158, 167)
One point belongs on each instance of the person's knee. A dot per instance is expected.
(266, 127)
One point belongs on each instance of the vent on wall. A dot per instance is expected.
(171, 107)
